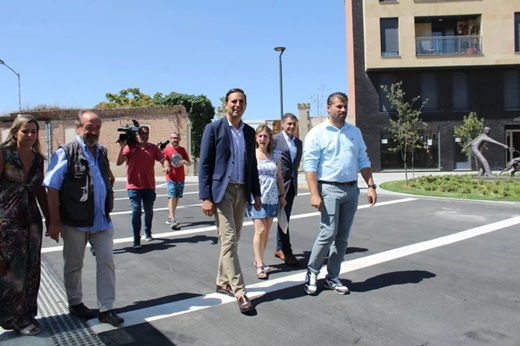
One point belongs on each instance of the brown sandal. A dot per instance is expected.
(261, 274)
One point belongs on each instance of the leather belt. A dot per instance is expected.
(347, 183)
(236, 185)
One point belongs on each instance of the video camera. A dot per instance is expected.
(128, 133)
(162, 144)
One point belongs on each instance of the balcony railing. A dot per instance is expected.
(449, 45)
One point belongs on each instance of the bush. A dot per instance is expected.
(460, 186)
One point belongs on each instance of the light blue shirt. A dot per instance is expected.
(57, 171)
(336, 155)
(291, 145)
(238, 154)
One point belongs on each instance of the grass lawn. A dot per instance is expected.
(460, 186)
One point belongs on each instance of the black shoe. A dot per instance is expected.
(81, 311)
(110, 317)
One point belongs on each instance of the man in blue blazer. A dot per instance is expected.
(291, 148)
(228, 177)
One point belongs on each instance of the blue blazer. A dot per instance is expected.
(215, 163)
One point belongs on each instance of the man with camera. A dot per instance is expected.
(178, 158)
(140, 157)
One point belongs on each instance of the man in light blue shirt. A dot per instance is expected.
(79, 191)
(334, 153)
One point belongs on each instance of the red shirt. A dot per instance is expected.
(175, 155)
(140, 164)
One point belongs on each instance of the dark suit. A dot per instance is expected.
(215, 168)
(290, 183)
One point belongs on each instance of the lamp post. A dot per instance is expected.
(19, 93)
(281, 50)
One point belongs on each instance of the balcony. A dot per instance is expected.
(448, 45)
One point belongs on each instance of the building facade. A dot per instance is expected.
(461, 55)
(57, 127)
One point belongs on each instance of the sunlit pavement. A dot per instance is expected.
(422, 271)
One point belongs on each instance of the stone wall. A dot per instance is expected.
(57, 128)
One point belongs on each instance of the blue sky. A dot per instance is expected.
(70, 53)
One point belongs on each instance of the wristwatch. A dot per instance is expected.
(373, 186)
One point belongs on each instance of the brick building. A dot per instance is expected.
(57, 128)
(463, 56)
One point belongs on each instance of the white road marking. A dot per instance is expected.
(258, 289)
(174, 234)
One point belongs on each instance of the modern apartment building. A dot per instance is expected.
(461, 55)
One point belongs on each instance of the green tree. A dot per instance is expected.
(131, 97)
(406, 124)
(471, 127)
(199, 108)
(200, 112)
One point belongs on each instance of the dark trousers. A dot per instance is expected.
(283, 240)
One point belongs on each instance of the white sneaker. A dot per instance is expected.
(336, 285)
(168, 221)
(150, 238)
(175, 224)
(311, 283)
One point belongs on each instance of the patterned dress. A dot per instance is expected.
(267, 170)
(267, 175)
(20, 240)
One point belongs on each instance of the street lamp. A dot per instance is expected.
(281, 50)
(19, 93)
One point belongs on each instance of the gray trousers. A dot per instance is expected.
(74, 243)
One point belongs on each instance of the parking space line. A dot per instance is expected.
(258, 289)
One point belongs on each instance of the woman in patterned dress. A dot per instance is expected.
(271, 182)
(21, 176)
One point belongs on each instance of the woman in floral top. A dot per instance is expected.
(21, 176)
(271, 184)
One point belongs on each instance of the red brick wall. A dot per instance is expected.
(162, 122)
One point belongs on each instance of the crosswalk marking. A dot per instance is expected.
(173, 234)
(258, 289)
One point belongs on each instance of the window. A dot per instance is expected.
(429, 91)
(459, 94)
(517, 32)
(388, 80)
(389, 37)
(512, 90)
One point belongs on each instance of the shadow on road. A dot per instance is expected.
(389, 279)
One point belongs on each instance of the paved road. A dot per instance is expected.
(422, 271)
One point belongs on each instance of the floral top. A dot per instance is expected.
(267, 170)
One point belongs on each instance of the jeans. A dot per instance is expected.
(139, 200)
(339, 207)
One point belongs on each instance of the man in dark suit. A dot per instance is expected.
(291, 148)
(228, 177)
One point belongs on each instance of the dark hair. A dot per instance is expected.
(289, 115)
(265, 128)
(236, 90)
(337, 95)
(19, 121)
